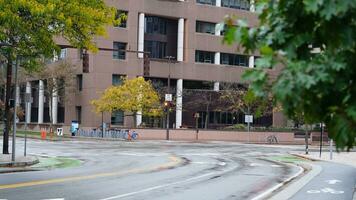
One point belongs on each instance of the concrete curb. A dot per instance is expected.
(19, 164)
(293, 187)
(269, 192)
(305, 157)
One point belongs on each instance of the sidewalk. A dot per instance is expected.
(347, 158)
(20, 161)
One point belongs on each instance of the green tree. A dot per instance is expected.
(312, 44)
(32, 27)
(133, 96)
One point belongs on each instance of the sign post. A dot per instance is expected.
(28, 100)
(248, 120)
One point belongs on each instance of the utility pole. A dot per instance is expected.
(169, 95)
(15, 114)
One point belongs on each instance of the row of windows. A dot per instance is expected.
(225, 58)
(236, 4)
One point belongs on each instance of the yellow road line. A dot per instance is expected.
(174, 162)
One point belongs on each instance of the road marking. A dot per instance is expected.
(174, 162)
(325, 190)
(159, 186)
(169, 184)
(255, 165)
(333, 182)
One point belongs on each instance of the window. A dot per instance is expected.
(80, 82)
(208, 2)
(120, 54)
(117, 79)
(78, 110)
(117, 118)
(155, 25)
(157, 49)
(204, 56)
(123, 15)
(234, 59)
(236, 4)
(205, 27)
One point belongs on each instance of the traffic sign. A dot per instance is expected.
(168, 97)
(248, 118)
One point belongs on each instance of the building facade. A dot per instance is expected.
(182, 30)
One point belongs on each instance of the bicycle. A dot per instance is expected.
(272, 139)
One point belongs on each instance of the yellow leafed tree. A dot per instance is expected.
(133, 96)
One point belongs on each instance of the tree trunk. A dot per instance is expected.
(306, 140)
(7, 113)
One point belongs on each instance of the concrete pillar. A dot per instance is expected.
(252, 6)
(138, 118)
(28, 111)
(180, 42)
(218, 3)
(141, 33)
(251, 62)
(54, 103)
(40, 102)
(217, 86)
(217, 58)
(179, 104)
(217, 30)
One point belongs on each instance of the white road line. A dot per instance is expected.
(159, 186)
(168, 184)
(270, 190)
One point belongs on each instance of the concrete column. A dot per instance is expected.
(252, 6)
(251, 62)
(217, 86)
(141, 33)
(180, 42)
(40, 102)
(217, 58)
(217, 30)
(179, 104)
(28, 111)
(138, 118)
(54, 104)
(218, 3)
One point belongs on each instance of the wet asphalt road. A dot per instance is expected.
(157, 170)
(148, 170)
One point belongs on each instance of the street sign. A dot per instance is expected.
(168, 97)
(248, 118)
(60, 131)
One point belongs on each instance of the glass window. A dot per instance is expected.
(208, 2)
(120, 54)
(236, 4)
(205, 27)
(157, 49)
(117, 118)
(204, 56)
(117, 79)
(234, 59)
(80, 82)
(79, 114)
(121, 13)
(155, 25)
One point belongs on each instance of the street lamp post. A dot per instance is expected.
(170, 58)
(15, 111)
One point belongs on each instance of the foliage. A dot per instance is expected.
(312, 44)
(132, 96)
(236, 98)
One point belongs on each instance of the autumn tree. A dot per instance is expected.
(312, 44)
(30, 28)
(133, 96)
